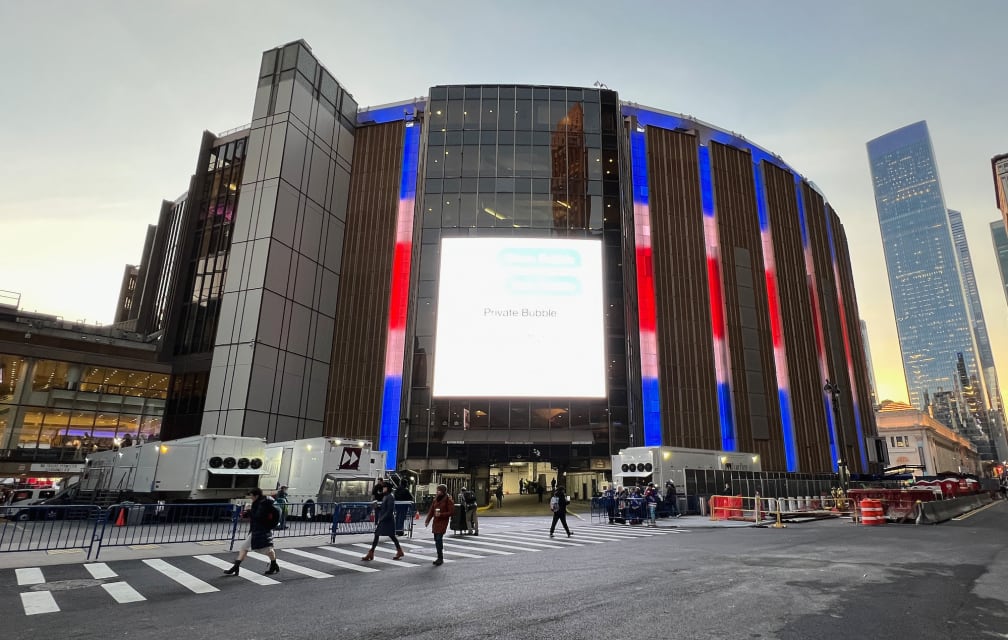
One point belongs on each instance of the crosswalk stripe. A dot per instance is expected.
(188, 581)
(36, 602)
(31, 575)
(99, 570)
(290, 566)
(522, 541)
(405, 563)
(606, 537)
(122, 593)
(618, 535)
(479, 544)
(332, 561)
(444, 552)
(418, 550)
(251, 576)
(448, 545)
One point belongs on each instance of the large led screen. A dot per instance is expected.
(520, 318)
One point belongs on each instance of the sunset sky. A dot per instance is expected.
(104, 103)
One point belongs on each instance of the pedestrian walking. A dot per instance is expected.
(262, 517)
(651, 501)
(558, 505)
(385, 524)
(282, 501)
(500, 494)
(468, 501)
(440, 512)
(672, 499)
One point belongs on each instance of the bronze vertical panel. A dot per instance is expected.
(747, 327)
(356, 376)
(797, 322)
(688, 385)
(865, 410)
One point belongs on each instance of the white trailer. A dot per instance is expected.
(660, 464)
(323, 470)
(213, 468)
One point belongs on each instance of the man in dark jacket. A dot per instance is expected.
(261, 520)
(558, 504)
(385, 524)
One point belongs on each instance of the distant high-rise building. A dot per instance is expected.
(1000, 237)
(990, 378)
(999, 164)
(868, 361)
(930, 301)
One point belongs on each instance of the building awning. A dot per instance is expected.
(505, 436)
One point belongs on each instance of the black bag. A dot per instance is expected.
(470, 498)
(269, 515)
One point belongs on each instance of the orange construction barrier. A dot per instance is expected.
(347, 519)
(872, 513)
(121, 520)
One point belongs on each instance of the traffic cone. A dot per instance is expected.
(416, 515)
(121, 520)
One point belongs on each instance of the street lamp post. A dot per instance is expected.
(834, 390)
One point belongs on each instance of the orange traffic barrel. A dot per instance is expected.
(872, 512)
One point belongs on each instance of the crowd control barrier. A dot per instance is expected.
(49, 528)
(91, 528)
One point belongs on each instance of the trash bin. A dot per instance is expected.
(402, 512)
(135, 513)
(458, 519)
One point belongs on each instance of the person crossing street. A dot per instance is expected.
(440, 512)
(558, 505)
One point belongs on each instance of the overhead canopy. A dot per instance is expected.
(506, 436)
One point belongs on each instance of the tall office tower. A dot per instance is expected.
(1000, 237)
(999, 164)
(868, 361)
(990, 378)
(929, 300)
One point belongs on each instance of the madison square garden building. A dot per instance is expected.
(503, 274)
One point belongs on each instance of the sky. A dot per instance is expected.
(103, 105)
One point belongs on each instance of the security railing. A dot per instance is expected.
(91, 528)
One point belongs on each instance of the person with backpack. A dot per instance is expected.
(558, 505)
(385, 524)
(281, 500)
(440, 512)
(263, 516)
(468, 501)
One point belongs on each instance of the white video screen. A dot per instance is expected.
(520, 317)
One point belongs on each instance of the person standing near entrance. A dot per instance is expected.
(499, 493)
(281, 500)
(558, 505)
(260, 535)
(385, 524)
(440, 512)
(540, 489)
(468, 501)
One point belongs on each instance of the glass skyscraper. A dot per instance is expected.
(1000, 238)
(930, 300)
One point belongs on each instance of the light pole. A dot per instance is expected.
(834, 390)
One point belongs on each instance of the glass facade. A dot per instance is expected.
(1000, 238)
(519, 161)
(54, 410)
(929, 300)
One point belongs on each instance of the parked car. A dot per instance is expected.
(15, 507)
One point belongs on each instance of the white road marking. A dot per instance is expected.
(122, 592)
(31, 575)
(445, 552)
(36, 602)
(290, 566)
(99, 570)
(332, 561)
(478, 544)
(522, 541)
(188, 581)
(364, 545)
(447, 545)
(251, 576)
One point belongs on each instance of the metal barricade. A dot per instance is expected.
(49, 528)
(359, 518)
(130, 524)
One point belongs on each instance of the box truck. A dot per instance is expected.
(322, 470)
(203, 468)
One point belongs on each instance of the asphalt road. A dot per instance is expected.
(827, 579)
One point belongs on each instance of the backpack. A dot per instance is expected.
(269, 515)
(554, 504)
(469, 497)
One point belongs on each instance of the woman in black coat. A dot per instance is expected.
(385, 524)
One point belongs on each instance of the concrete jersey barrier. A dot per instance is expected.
(942, 510)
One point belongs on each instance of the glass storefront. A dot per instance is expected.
(57, 410)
